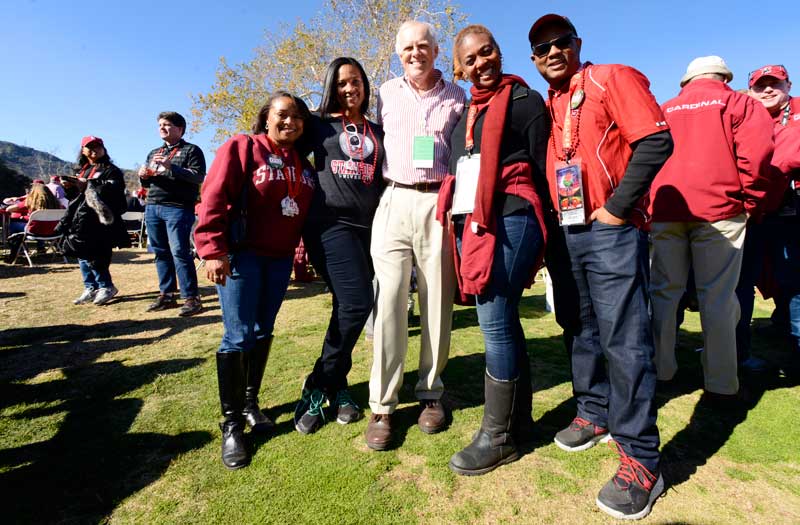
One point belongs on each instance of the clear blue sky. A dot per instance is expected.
(107, 68)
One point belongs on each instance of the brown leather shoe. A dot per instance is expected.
(379, 431)
(432, 416)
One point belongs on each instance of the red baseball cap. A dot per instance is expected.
(547, 19)
(89, 139)
(774, 71)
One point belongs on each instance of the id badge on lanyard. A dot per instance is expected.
(468, 170)
(569, 188)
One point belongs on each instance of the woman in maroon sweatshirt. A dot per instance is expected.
(254, 202)
(500, 145)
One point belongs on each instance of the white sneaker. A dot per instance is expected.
(86, 297)
(104, 295)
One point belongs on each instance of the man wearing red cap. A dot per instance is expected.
(770, 85)
(718, 176)
(608, 141)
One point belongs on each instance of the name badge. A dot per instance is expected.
(467, 171)
(569, 188)
(422, 152)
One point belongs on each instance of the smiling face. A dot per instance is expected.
(94, 151)
(480, 60)
(558, 64)
(284, 123)
(349, 89)
(417, 51)
(771, 92)
(169, 132)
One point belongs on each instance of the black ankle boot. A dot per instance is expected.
(231, 378)
(522, 422)
(493, 444)
(256, 362)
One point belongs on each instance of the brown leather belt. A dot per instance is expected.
(420, 186)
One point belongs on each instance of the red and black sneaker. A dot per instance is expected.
(580, 435)
(630, 494)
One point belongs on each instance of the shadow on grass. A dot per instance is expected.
(93, 461)
(29, 351)
(711, 425)
(298, 290)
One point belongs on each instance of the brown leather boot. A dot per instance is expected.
(379, 431)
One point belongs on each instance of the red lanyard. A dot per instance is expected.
(292, 185)
(171, 154)
(91, 173)
(366, 178)
(472, 116)
(570, 139)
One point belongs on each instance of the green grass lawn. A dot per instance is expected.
(109, 414)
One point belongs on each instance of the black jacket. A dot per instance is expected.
(178, 186)
(93, 222)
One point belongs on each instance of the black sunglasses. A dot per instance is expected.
(561, 42)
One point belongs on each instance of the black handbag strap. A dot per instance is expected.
(241, 202)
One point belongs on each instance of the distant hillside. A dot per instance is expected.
(32, 163)
(12, 184)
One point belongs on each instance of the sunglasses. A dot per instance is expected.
(561, 42)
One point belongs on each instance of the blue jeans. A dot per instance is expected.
(752, 258)
(95, 273)
(251, 298)
(784, 247)
(517, 244)
(613, 374)
(168, 231)
(340, 253)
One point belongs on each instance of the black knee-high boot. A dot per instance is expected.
(493, 445)
(256, 363)
(231, 378)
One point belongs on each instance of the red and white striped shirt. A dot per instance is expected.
(404, 114)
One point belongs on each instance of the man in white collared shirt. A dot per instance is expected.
(418, 112)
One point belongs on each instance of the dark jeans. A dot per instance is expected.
(613, 374)
(783, 238)
(340, 253)
(251, 298)
(169, 229)
(752, 262)
(565, 292)
(517, 244)
(96, 273)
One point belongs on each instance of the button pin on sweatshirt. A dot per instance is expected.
(275, 162)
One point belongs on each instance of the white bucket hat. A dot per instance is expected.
(703, 65)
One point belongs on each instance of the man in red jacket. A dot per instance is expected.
(770, 85)
(608, 141)
(717, 177)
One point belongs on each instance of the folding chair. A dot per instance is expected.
(39, 228)
(134, 222)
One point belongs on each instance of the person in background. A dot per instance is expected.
(608, 141)
(172, 175)
(93, 224)
(266, 180)
(57, 190)
(771, 86)
(39, 197)
(418, 112)
(501, 142)
(348, 153)
(715, 181)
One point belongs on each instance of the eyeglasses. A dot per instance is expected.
(561, 42)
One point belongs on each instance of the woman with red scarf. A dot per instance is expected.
(498, 159)
(254, 203)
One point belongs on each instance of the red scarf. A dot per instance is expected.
(491, 138)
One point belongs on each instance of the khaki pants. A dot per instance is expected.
(715, 253)
(404, 232)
